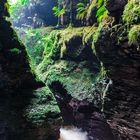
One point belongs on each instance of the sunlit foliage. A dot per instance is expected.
(134, 36)
(82, 9)
(16, 8)
(131, 13)
(85, 9)
(57, 11)
(101, 12)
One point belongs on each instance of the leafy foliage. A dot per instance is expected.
(131, 13)
(85, 9)
(82, 8)
(134, 36)
(16, 8)
(101, 12)
(57, 11)
(35, 42)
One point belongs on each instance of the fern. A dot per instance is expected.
(101, 12)
(82, 8)
(134, 36)
(57, 11)
(100, 3)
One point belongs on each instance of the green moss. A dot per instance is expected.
(42, 107)
(34, 40)
(55, 46)
(15, 51)
(75, 76)
(85, 33)
(50, 54)
(131, 13)
(77, 80)
(88, 34)
(134, 36)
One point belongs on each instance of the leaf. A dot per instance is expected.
(100, 11)
(100, 3)
(57, 11)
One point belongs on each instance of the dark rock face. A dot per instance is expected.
(122, 103)
(115, 8)
(82, 114)
(14, 68)
(16, 86)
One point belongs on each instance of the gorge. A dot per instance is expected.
(70, 63)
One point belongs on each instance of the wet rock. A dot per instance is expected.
(123, 62)
(82, 114)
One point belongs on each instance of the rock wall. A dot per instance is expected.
(115, 43)
(22, 100)
(92, 71)
(14, 66)
(122, 61)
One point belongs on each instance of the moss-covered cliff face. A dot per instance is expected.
(71, 66)
(14, 66)
(90, 74)
(76, 77)
(68, 58)
(27, 110)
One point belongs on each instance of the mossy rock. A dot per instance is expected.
(59, 45)
(131, 14)
(76, 79)
(60, 63)
(75, 40)
(43, 108)
(134, 36)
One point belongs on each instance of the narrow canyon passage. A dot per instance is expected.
(69, 65)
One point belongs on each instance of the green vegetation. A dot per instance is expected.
(57, 11)
(82, 8)
(85, 10)
(101, 12)
(131, 17)
(131, 13)
(50, 53)
(15, 51)
(34, 39)
(44, 48)
(96, 36)
(15, 9)
(78, 80)
(43, 107)
(134, 36)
